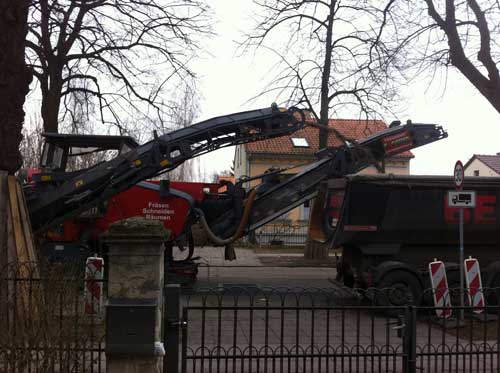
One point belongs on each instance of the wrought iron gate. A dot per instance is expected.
(321, 330)
(286, 330)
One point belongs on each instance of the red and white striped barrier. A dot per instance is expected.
(440, 291)
(474, 285)
(94, 274)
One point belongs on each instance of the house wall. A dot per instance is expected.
(397, 166)
(240, 162)
(484, 170)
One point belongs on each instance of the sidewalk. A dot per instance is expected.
(265, 269)
(214, 257)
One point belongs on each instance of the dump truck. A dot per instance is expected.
(389, 227)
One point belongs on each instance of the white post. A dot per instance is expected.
(461, 229)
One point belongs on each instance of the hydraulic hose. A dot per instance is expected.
(241, 226)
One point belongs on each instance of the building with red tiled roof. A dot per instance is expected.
(483, 165)
(350, 128)
(299, 148)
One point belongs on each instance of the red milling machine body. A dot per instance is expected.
(81, 236)
(142, 200)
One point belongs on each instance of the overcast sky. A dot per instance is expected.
(227, 82)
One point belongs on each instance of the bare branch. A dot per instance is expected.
(332, 56)
(467, 41)
(125, 45)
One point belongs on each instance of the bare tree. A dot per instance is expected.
(462, 34)
(15, 78)
(468, 27)
(31, 146)
(184, 108)
(332, 61)
(79, 122)
(119, 56)
(332, 57)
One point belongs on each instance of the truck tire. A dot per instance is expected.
(453, 277)
(398, 288)
(492, 293)
(492, 289)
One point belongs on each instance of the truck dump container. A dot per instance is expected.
(387, 224)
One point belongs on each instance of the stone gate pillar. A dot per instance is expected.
(135, 287)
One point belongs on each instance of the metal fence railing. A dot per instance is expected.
(326, 330)
(44, 328)
(43, 323)
(281, 233)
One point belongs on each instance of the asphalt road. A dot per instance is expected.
(263, 270)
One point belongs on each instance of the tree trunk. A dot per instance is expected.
(51, 102)
(14, 81)
(325, 80)
(14, 84)
(315, 250)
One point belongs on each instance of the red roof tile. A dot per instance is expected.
(492, 161)
(352, 129)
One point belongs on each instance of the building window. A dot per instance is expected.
(300, 142)
(476, 172)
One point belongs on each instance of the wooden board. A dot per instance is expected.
(21, 256)
(11, 243)
(20, 225)
(15, 214)
(26, 226)
(3, 219)
(4, 286)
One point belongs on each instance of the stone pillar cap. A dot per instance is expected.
(137, 227)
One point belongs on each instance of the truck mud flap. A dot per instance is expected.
(316, 227)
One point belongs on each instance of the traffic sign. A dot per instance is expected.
(461, 198)
(458, 175)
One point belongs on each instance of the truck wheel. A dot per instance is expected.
(492, 292)
(453, 278)
(398, 288)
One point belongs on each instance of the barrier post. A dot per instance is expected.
(94, 274)
(440, 291)
(475, 291)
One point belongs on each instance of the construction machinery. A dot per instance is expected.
(78, 205)
(56, 194)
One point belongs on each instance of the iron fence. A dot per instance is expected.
(282, 233)
(324, 330)
(44, 327)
